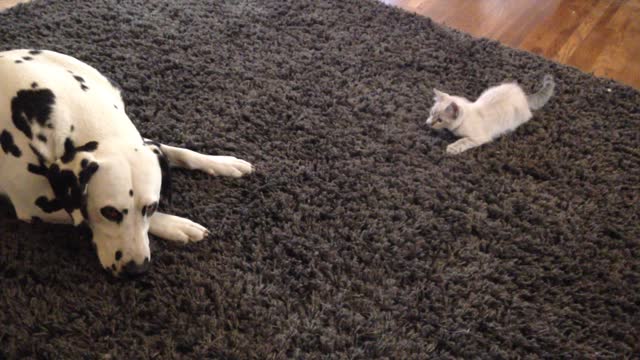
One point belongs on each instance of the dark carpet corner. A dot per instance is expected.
(357, 237)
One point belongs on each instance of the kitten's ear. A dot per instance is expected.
(452, 111)
(439, 95)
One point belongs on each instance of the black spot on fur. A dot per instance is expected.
(84, 87)
(118, 255)
(35, 169)
(48, 206)
(70, 150)
(8, 146)
(27, 58)
(115, 106)
(87, 173)
(18, 61)
(144, 210)
(131, 193)
(83, 207)
(72, 128)
(50, 125)
(68, 189)
(42, 138)
(79, 78)
(88, 147)
(34, 85)
(29, 106)
(41, 168)
(125, 211)
(35, 52)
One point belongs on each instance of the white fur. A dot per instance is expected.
(125, 162)
(498, 110)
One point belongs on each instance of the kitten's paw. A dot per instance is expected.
(455, 149)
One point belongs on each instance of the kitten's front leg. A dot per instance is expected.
(462, 145)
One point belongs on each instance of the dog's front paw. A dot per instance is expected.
(225, 166)
(175, 228)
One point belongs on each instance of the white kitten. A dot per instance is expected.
(498, 110)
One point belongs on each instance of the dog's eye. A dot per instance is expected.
(112, 214)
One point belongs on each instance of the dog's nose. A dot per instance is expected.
(134, 269)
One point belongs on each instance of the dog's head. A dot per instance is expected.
(115, 190)
(120, 200)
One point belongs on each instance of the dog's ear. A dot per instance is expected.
(88, 167)
(156, 148)
(165, 189)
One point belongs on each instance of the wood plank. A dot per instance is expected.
(516, 28)
(599, 36)
(593, 45)
(619, 44)
(631, 69)
(585, 27)
(548, 37)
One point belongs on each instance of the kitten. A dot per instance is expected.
(498, 110)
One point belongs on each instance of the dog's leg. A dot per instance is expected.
(32, 208)
(58, 217)
(213, 165)
(32, 214)
(175, 228)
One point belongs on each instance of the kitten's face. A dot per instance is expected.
(444, 112)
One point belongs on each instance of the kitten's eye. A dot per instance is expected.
(112, 214)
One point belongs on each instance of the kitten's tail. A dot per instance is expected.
(537, 100)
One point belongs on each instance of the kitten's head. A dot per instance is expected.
(444, 112)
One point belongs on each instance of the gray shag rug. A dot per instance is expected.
(357, 237)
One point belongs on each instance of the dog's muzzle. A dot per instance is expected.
(133, 269)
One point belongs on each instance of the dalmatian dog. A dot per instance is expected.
(70, 154)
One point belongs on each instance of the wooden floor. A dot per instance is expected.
(5, 4)
(597, 36)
